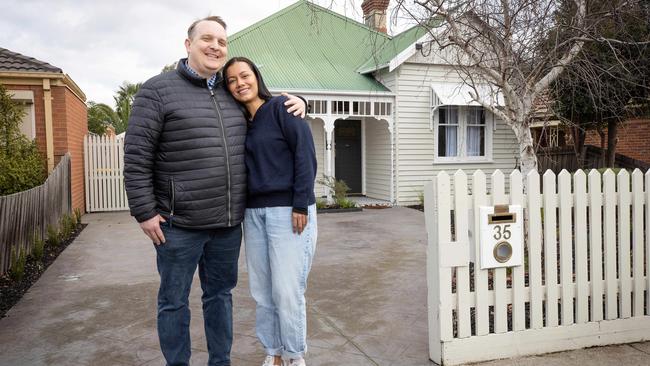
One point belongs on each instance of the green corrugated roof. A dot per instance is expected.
(399, 43)
(308, 47)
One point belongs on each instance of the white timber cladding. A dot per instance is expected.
(415, 143)
(318, 133)
(378, 159)
(547, 304)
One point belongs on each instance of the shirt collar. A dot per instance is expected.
(211, 81)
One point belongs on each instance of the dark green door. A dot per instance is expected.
(347, 165)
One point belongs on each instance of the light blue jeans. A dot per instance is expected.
(278, 265)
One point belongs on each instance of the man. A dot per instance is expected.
(186, 183)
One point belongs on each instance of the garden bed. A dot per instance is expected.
(11, 291)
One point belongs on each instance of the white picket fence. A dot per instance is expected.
(584, 281)
(104, 170)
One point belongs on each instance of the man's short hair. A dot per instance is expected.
(211, 18)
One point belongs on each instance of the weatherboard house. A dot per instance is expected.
(384, 117)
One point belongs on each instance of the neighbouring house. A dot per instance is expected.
(633, 139)
(385, 118)
(55, 112)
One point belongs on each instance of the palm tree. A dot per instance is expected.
(123, 102)
(101, 116)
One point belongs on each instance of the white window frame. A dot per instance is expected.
(461, 137)
(25, 99)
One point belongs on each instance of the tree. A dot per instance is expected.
(100, 117)
(21, 166)
(123, 102)
(169, 67)
(610, 81)
(500, 47)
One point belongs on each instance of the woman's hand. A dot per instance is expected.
(299, 222)
(296, 105)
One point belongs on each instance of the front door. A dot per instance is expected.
(347, 165)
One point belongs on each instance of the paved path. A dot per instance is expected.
(367, 302)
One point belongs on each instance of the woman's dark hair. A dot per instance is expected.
(262, 91)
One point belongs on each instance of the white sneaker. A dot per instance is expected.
(298, 362)
(268, 361)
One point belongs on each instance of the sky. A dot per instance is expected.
(101, 44)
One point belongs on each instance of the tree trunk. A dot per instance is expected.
(579, 144)
(603, 148)
(612, 132)
(527, 157)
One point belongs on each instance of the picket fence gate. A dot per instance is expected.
(584, 281)
(104, 171)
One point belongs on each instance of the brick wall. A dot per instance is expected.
(633, 139)
(70, 123)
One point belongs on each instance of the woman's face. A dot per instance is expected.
(242, 82)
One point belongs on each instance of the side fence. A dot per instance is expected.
(27, 214)
(584, 281)
(104, 159)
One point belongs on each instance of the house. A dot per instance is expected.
(385, 118)
(55, 112)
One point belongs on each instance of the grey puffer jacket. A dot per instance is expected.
(184, 153)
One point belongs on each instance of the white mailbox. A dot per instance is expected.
(501, 236)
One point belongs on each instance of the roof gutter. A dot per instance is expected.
(64, 79)
(333, 92)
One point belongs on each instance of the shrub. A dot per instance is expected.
(66, 226)
(18, 261)
(338, 188)
(321, 203)
(39, 248)
(53, 237)
(346, 203)
(20, 161)
(421, 197)
(77, 215)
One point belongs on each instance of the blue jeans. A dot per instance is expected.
(278, 265)
(216, 253)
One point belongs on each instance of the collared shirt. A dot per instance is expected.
(211, 81)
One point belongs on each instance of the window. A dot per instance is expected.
(462, 134)
(25, 99)
(340, 107)
(448, 131)
(475, 131)
(317, 106)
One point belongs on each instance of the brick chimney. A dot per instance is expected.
(374, 14)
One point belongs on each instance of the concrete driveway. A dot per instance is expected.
(96, 304)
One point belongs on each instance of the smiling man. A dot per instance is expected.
(186, 183)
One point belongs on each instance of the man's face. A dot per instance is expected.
(207, 49)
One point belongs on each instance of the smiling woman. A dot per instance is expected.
(280, 213)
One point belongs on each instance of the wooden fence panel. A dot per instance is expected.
(479, 185)
(105, 174)
(550, 249)
(25, 216)
(565, 221)
(637, 241)
(534, 215)
(461, 213)
(582, 260)
(609, 252)
(596, 225)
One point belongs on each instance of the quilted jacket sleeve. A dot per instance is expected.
(140, 146)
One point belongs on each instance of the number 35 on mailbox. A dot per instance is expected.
(501, 236)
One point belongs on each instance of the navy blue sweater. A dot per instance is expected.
(280, 159)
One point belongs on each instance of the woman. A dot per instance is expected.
(280, 219)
